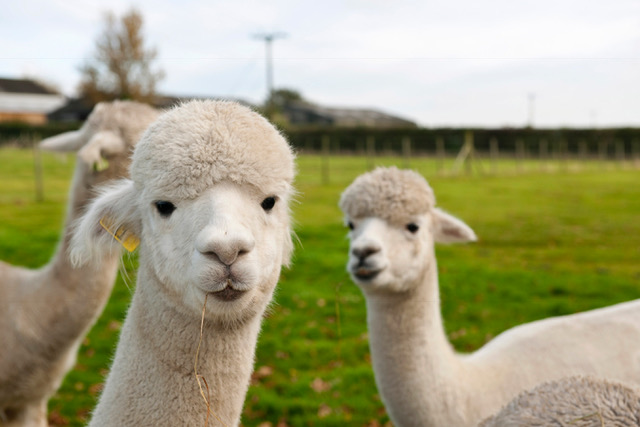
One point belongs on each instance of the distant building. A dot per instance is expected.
(301, 113)
(23, 100)
(78, 109)
(73, 110)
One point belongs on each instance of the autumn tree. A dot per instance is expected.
(281, 97)
(121, 67)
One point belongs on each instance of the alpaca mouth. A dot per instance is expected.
(365, 273)
(229, 293)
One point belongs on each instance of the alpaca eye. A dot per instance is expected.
(165, 209)
(412, 227)
(350, 225)
(268, 203)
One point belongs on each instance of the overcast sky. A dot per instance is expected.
(440, 63)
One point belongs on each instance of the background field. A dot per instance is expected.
(550, 244)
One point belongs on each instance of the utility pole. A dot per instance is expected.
(268, 38)
(532, 101)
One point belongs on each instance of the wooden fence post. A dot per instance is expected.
(440, 154)
(582, 150)
(602, 151)
(494, 152)
(519, 154)
(326, 149)
(620, 155)
(544, 154)
(37, 168)
(406, 151)
(371, 151)
(467, 154)
(563, 152)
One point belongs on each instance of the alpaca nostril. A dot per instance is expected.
(364, 252)
(225, 258)
(224, 245)
(227, 255)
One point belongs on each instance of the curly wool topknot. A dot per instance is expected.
(201, 143)
(388, 193)
(126, 119)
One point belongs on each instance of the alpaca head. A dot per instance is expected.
(393, 225)
(208, 198)
(105, 141)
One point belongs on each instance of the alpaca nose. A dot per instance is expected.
(226, 246)
(363, 252)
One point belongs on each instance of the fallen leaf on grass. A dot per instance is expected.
(318, 385)
(95, 389)
(324, 411)
(56, 419)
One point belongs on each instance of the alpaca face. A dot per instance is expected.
(395, 255)
(208, 204)
(101, 146)
(225, 244)
(386, 256)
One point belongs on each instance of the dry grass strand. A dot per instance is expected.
(199, 378)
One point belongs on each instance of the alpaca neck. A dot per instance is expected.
(65, 301)
(80, 194)
(153, 380)
(413, 361)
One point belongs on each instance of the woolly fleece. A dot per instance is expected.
(389, 193)
(573, 401)
(126, 119)
(225, 141)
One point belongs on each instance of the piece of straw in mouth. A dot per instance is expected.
(206, 397)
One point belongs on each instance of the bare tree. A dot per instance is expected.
(121, 67)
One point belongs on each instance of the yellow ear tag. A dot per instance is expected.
(126, 238)
(101, 165)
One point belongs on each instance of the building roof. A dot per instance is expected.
(78, 109)
(75, 109)
(24, 86)
(301, 113)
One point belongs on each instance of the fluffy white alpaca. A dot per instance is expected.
(423, 382)
(572, 401)
(45, 313)
(209, 194)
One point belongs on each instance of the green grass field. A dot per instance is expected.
(550, 244)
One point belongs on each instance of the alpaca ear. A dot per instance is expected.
(111, 222)
(287, 248)
(449, 229)
(65, 142)
(99, 146)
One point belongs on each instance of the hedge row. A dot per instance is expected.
(451, 140)
(602, 141)
(23, 134)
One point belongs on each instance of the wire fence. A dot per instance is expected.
(540, 156)
(329, 163)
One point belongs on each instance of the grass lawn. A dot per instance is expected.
(550, 244)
